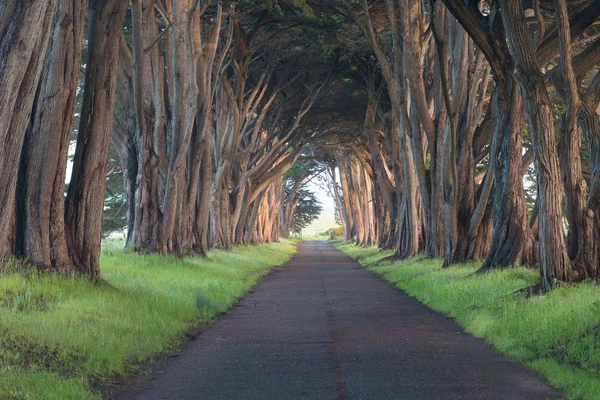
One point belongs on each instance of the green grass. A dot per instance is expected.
(556, 334)
(61, 335)
(364, 255)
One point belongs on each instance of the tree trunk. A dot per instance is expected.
(423, 131)
(409, 213)
(554, 261)
(184, 105)
(148, 140)
(583, 232)
(206, 182)
(25, 28)
(512, 241)
(41, 223)
(85, 198)
(464, 82)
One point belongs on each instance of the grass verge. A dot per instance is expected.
(556, 334)
(60, 336)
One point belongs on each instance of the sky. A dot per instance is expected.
(326, 201)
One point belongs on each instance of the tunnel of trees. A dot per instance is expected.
(459, 129)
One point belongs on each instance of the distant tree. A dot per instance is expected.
(307, 210)
(304, 171)
(115, 200)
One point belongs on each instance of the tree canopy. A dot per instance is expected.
(458, 129)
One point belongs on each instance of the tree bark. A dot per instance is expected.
(554, 261)
(150, 156)
(85, 198)
(182, 71)
(512, 241)
(25, 27)
(41, 224)
(583, 232)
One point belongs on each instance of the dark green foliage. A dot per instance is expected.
(307, 210)
(280, 5)
(115, 201)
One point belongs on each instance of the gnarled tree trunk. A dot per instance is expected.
(25, 27)
(40, 222)
(85, 198)
(512, 240)
(554, 261)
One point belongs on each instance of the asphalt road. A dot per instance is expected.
(325, 328)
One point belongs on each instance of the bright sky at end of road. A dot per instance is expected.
(326, 202)
(326, 220)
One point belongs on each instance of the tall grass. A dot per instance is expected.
(556, 334)
(60, 334)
